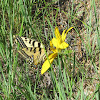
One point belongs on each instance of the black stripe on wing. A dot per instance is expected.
(22, 52)
(21, 42)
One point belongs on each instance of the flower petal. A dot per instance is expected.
(54, 50)
(51, 45)
(47, 63)
(64, 34)
(55, 42)
(63, 45)
(57, 34)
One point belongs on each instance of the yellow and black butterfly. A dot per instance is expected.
(34, 52)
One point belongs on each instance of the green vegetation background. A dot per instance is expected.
(73, 75)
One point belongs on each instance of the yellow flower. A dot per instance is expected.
(56, 44)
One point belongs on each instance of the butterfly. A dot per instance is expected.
(33, 51)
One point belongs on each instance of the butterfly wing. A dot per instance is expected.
(26, 42)
(32, 50)
(34, 55)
